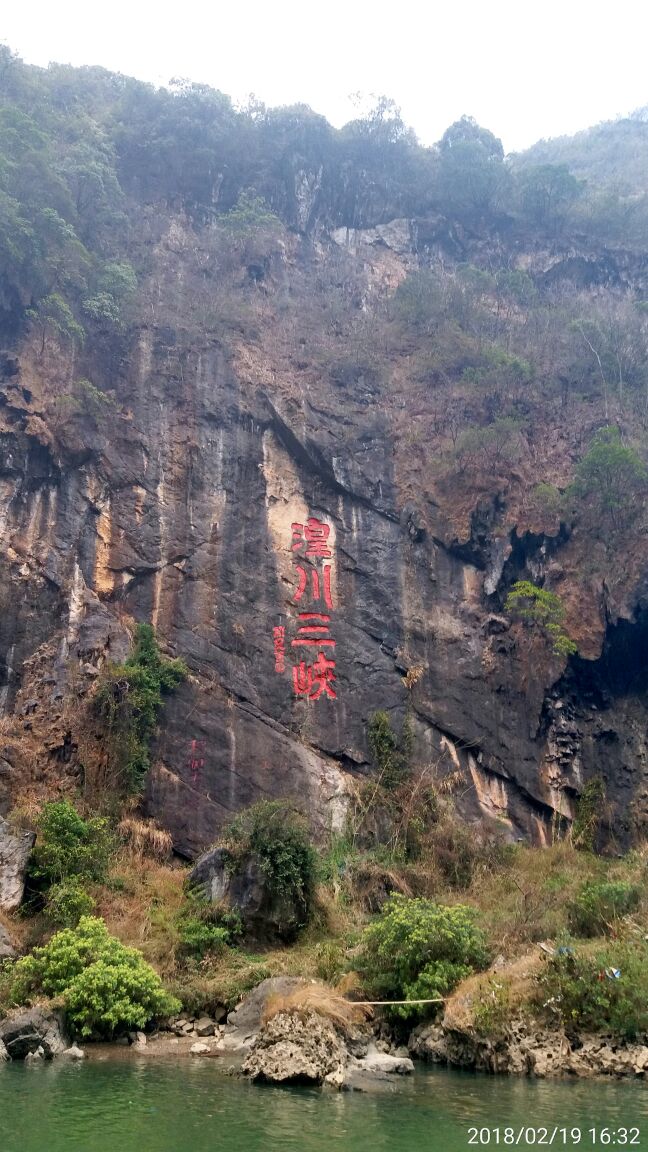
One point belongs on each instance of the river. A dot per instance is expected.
(149, 1105)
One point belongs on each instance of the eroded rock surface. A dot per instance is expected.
(293, 1048)
(25, 1031)
(15, 848)
(527, 1050)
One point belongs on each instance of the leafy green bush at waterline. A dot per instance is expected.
(104, 986)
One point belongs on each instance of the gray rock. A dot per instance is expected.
(15, 848)
(74, 1053)
(244, 1022)
(4, 1055)
(7, 950)
(428, 1042)
(199, 1049)
(358, 1079)
(26, 1031)
(298, 1048)
(204, 1027)
(376, 1061)
(265, 915)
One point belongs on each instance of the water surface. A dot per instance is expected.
(150, 1105)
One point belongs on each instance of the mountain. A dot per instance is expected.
(357, 426)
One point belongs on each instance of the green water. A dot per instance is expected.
(147, 1106)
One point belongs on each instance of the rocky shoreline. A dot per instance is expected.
(302, 1045)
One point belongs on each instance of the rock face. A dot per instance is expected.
(265, 916)
(179, 508)
(15, 848)
(25, 1032)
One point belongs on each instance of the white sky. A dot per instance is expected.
(523, 68)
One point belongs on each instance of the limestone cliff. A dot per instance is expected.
(234, 420)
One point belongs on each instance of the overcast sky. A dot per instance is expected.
(523, 68)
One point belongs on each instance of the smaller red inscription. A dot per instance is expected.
(279, 639)
(196, 759)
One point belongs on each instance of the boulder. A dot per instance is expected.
(15, 848)
(204, 1027)
(7, 950)
(4, 1055)
(74, 1053)
(244, 1022)
(199, 1049)
(27, 1030)
(375, 1061)
(296, 1047)
(266, 916)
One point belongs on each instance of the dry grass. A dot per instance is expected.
(516, 979)
(527, 898)
(322, 999)
(140, 903)
(145, 838)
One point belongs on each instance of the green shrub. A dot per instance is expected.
(198, 937)
(128, 701)
(589, 812)
(420, 950)
(67, 902)
(67, 846)
(582, 992)
(537, 606)
(279, 838)
(390, 754)
(105, 986)
(492, 1010)
(203, 928)
(600, 902)
(330, 961)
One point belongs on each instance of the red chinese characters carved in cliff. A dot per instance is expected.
(312, 643)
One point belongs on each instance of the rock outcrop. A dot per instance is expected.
(24, 1032)
(266, 916)
(7, 949)
(295, 1048)
(244, 1022)
(15, 848)
(525, 1049)
(303, 1046)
